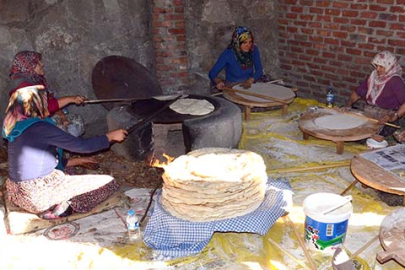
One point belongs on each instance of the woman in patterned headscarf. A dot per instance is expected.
(33, 182)
(383, 91)
(27, 70)
(241, 61)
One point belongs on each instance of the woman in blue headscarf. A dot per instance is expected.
(241, 61)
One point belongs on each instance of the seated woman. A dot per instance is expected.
(33, 182)
(384, 91)
(241, 61)
(27, 70)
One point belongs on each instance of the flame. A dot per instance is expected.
(155, 162)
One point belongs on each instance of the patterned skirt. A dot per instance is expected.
(84, 192)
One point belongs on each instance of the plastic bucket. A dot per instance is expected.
(325, 232)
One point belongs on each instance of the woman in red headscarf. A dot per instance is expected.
(241, 61)
(27, 70)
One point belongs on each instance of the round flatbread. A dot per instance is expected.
(339, 121)
(211, 184)
(192, 106)
(266, 89)
(163, 98)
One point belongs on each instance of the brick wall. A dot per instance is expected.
(325, 43)
(169, 41)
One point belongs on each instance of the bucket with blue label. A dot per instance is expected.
(326, 221)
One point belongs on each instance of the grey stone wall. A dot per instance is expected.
(209, 25)
(73, 35)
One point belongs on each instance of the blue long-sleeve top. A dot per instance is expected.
(233, 70)
(33, 154)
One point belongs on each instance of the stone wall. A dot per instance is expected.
(177, 40)
(209, 27)
(325, 43)
(73, 35)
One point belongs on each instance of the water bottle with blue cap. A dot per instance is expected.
(134, 232)
(330, 97)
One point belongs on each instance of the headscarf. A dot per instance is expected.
(23, 66)
(25, 103)
(240, 35)
(377, 83)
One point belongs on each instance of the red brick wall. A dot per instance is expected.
(169, 41)
(325, 43)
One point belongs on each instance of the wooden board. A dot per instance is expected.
(392, 237)
(20, 221)
(372, 175)
(308, 126)
(279, 92)
(272, 90)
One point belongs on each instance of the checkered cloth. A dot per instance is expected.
(174, 237)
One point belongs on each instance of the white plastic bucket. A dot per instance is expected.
(326, 232)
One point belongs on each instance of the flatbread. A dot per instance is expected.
(213, 184)
(163, 98)
(266, 89)
(339, 121)
(192, 106)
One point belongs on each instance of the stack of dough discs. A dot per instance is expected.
(212, 184)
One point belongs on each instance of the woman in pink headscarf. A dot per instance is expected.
(383, 91)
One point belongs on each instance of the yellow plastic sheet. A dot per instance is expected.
(278, 139)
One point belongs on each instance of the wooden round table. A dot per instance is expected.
(275, 95)
(307, 124)
(374, 176)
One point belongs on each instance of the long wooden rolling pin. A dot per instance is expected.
(255, 95)
(360, 116)
(371, 119)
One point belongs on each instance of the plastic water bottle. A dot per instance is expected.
(134, 232)
(330, 97)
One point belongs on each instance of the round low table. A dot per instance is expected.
(374, 176)
(273, 92)
(307, 124)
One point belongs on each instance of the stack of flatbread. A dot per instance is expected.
(214, 184)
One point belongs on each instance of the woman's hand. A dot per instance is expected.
(248, 83)
(64, 101)
(80, 161)
(117, 135)
(219, 84)
(78, 100)
(391, 117)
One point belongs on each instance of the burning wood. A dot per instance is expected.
(155, 162)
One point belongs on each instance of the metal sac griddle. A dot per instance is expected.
(117, 77)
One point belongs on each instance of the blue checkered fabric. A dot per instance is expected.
(174, 237)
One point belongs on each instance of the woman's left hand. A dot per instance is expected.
(391, 117)
(247, 84)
